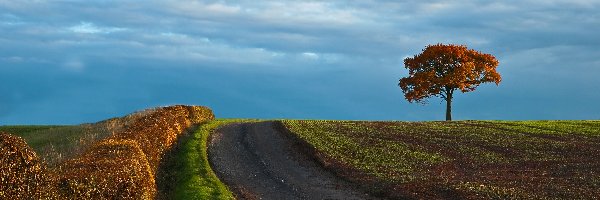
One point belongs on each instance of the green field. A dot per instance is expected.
(55, 143)
(51, 142)
(24, 130)
(39, 136)
(463, 159)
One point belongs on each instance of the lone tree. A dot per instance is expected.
(442, 69)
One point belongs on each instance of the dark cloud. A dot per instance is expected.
(81, 61)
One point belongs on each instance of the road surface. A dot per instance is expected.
(258, 161)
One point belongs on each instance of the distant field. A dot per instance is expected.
(54, 143)
(23, 130)
(463, 159)
(38, 136)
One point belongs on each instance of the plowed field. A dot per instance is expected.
(465, 159)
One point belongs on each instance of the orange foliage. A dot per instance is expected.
(110, 169)
(441, 69)
(22, 173)
(122, 166)
(157, 131)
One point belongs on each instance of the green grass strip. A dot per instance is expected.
(40, 137)
(21, 130)
(195, 178)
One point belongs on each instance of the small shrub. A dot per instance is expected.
(111, 169)
(157, 131)
(124, 165)
(22, 174)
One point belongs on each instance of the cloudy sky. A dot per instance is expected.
(69, 62)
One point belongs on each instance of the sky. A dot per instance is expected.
(71, 62)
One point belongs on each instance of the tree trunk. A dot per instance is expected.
(449, 105)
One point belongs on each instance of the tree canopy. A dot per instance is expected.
(442, 69)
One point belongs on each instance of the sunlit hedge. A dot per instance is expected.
(122, 166)
(22, 174)
(111, 169)
(157, 131)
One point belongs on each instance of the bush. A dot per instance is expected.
(124, 165)
(157, 131)
(121, 166)
(23, 175)
(111, 169)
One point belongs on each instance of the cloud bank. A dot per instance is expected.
(81, 61)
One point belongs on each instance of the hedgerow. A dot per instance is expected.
(111, 169)
(22, 174)
(157, 131)
(121, 166)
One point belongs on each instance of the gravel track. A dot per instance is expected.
(257, 161)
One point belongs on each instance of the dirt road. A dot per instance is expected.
(257, 161)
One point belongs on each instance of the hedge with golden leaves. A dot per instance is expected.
(157, 131)
(131, 158)
(111, 169)
(122, 166)
(22, 174)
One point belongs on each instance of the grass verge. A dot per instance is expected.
(193, 176)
